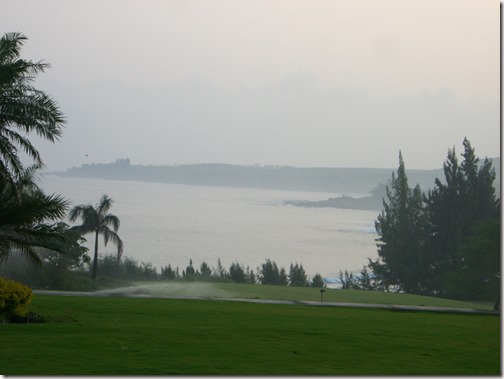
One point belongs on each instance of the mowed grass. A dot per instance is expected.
(266, 292)
(142, 336)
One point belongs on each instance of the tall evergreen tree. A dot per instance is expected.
(205, 270)
(297, 276)
(401, 224)
(237, 273)
(220, 271)
(454, 208)
(439, 242)
(190, 271)
(479, 274)
(317, 281)
(270, 274)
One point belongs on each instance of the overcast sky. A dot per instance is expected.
(327, 83)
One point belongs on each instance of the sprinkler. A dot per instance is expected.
(322, 295)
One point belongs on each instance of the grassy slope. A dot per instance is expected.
(247, 291)
(123, 336)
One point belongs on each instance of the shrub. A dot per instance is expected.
(111, 267)
(14, 299)
(317, 281)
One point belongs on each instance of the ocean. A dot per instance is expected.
(167, 224)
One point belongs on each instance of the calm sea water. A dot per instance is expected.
(170, 224)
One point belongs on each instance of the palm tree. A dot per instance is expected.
(96, 219)
(23, 108)
(24, 213)
(24, 208)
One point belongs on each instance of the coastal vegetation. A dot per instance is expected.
(445, 242)
(70, 272)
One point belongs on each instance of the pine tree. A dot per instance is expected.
(401, 224)
(220, 270)
(189, 271)
(297, 276)
(205, 270)
(479, 274)
(364, 280)
(251, 278)
(317, 281)
(237, 273)
(270, 274)
(454, 208)
(167, 273)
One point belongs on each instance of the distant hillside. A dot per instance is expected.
(375, 200)
(333, 180)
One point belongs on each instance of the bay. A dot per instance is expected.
(170, 224)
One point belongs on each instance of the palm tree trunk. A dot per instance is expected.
(95, 260)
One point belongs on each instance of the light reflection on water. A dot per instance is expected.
(170, 224)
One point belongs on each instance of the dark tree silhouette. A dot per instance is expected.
(97, 220)
(23, 108)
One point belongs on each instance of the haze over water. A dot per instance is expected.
(303, 83)
(171, 224)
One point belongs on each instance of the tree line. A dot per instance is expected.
(267, 273)
(70, 272)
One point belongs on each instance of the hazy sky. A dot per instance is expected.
(330, 83)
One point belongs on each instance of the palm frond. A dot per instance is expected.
(27, 181)
(11, 240)
(23, 107)
(32, 209)
(25, 144)
(112, 220)
(31, 110)
(109, 235)
(104, 205)
(56, 237)
(20, 71)
(10, 46)
(9, 156)
(82, 211)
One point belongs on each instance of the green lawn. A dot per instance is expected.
(124, 336)
(248, 291)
